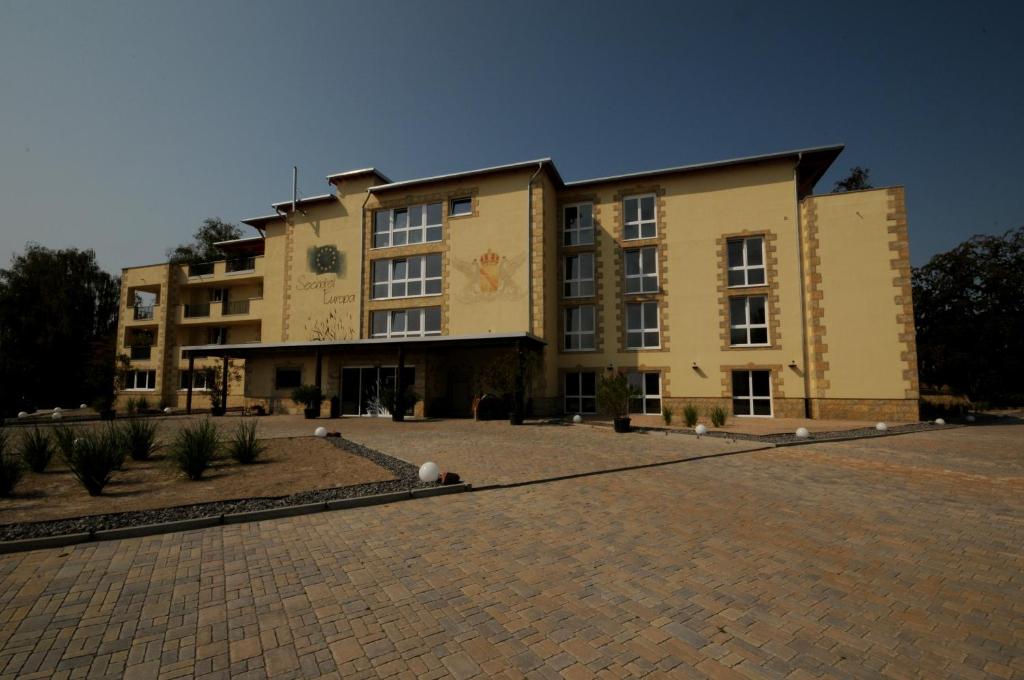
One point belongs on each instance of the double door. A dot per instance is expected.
(362, 388)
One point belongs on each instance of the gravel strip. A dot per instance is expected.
(406, 474)
(791, 438)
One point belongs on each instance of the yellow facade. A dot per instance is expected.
(487, 255)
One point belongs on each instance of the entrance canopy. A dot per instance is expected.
(255, 349)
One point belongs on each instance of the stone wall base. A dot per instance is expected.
(865, 409)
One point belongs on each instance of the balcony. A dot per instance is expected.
(141, 352)
(248, 268)
(230, 311)
(142, 315)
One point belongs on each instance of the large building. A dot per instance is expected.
(721, 284)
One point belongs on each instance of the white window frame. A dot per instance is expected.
(568, 232)
(424, 227)
(134, 376)
(568, 282)
(207, 378)
(580, 334)
(573, 403)
(635, 220)
(750, 399)
(746, 325)
(392, 280)
(643, 275)
(643, 395)
(746, 268)
(460, 199)
(645, 326)
(391, 313)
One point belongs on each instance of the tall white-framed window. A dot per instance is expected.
(647, 386)
(407, 276)
(578, 224)
(202, 379)
(580, 392)
(580, 332)
(641, 270)
(140, 380)
(752, 393)
(642, 330)
(579, 275)
(401, 226)
(746, 261)
(748, 321)
(639, 217)
(406, 323)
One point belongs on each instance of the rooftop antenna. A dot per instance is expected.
(295, 190)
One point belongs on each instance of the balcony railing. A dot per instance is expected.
(201, 269)
(235, 307)
(240, 264)
(141, 351)
(197, 310)
(143, 313)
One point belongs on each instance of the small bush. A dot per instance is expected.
(718, 416)
(244, 446)
(94, 456)
(142, 405)
(195, 448)
(139, 438)
(690, 415)
(64, 439)
(130, 405)
(36, 449)
(667, 413)
(10, 469)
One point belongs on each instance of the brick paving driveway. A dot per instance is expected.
(897, 557)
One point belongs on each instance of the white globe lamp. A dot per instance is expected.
(168, 410)
(881, 427)
(57, 409)
(940, 421)
(320, 431)
(802, 433)
(22, 414)
(701, 429)
(56, 415)
(82, 406)
(429, 472)
(577, 419)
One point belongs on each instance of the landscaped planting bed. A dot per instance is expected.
(291, 471)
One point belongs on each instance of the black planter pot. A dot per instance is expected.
(398, 416)
(515, 418)
(311, 413)
(622, 424)
(217, 411)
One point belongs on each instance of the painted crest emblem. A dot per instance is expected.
(489, 266)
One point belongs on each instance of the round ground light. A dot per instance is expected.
(429, 472)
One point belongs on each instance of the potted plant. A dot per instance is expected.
(389, 398)
(613, 395)
(310, 397)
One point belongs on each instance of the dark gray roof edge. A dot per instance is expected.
(469, 173)
(429, 339)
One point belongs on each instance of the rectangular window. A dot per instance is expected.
(647, 387)
(407, 277)
(752, 393)
(579, 328)
(217, 335)
(579, 275)
(748, 321)
(402, 226)
(140, 380)
(642, 330)
(202, 379)
(746, 261)
(580, 392)
(641, 270)
(578, 224)
(460, 207)
(287, 378)
(638, 220)
(406, 323)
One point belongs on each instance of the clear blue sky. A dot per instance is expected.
(124, 124)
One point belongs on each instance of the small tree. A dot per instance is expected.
(202, 248)
(613, 395)
(857, 180)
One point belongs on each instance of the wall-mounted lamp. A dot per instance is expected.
(792, 364)
(611, 367)
(695, 366)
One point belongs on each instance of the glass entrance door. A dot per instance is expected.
(361, 389)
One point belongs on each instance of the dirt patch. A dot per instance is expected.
(288, 466)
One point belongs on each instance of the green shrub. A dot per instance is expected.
(195, 448)
(94, 456)
(10, 469)
(139, 438)
(36, 449)
(613, 395)
(130, 405)
(244, 446)
(690, 415)
(64, 439)
(667, 413)
(718, 416)
(309, 396)
(142, 405)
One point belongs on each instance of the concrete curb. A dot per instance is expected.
(828, 440)
(25, 544)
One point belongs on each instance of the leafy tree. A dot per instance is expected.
(202, 249)
(969, 312)
(857, 179)
(58, 323)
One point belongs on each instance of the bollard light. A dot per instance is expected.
(881, 427)
(320, 431)
(940, 421)
(82, 406)
(577, 419)
(701, 429)
(429, 472)
(56, 415)
(57, 409)
(802, 433)
(168, 410)
(22, 414)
